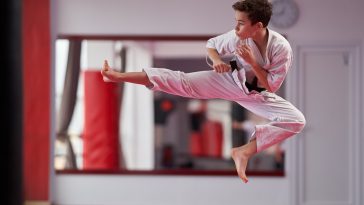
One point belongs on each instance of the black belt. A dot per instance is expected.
(254, 86)
(251, 86)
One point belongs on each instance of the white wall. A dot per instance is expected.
(167, 190)
(323, 24)
(142, 17)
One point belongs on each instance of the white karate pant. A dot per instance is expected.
(286, 120)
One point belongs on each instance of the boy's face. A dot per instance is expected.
(244, 29)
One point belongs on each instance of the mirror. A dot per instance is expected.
(127, 127)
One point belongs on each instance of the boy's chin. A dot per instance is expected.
(241, 37)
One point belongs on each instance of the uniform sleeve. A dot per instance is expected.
(280, 64)
(224, 44)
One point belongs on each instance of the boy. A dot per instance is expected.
(263, 58)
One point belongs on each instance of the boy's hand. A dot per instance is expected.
(221, 66)
(246, 53)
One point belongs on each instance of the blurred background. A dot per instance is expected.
(72, 139)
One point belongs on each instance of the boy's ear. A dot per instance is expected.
(260, 25)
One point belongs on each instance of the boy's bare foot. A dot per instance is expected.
(241, 156)
(104, 71)
(108, 74)
(106, 66)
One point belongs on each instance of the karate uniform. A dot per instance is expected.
(286, 120)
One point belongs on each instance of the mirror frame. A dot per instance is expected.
(182, 172)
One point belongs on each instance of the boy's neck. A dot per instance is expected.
(261, 39)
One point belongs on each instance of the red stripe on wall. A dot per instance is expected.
(36, 65)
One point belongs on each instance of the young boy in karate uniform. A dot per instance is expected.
(262, 59)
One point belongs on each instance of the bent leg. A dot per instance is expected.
(286, 119)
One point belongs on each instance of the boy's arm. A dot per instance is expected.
(246, 53)
(262, 76)
(270, 78)
(218, 65)
(221, 45)
(280, 64)
(224, 43)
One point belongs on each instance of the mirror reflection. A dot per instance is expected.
(106, 126)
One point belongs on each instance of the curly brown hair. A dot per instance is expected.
(257, 10)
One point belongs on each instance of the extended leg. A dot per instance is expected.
(201, 84)
(110, 75)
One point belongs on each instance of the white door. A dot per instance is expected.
(327, 153)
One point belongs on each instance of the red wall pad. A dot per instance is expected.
(36, 42)
(101, 130)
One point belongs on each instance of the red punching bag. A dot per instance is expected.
(101, 129)
(212, 133)
(196, 144)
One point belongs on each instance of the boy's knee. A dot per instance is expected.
(302, 122)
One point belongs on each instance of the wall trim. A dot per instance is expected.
(137, 37)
